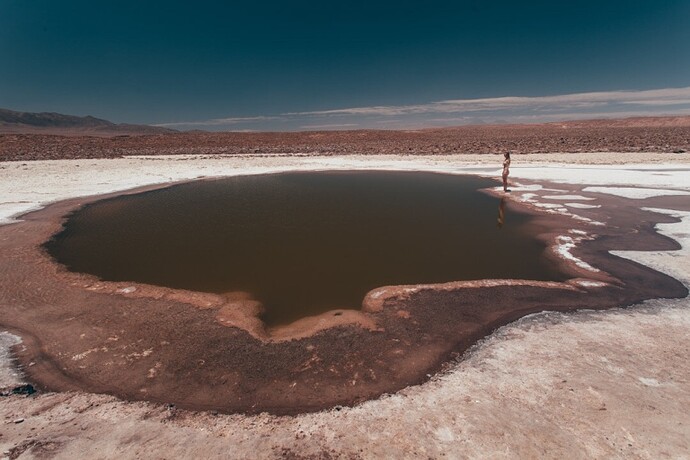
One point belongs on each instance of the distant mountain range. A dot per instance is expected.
(12, 122)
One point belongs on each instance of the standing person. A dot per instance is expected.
(506, 170)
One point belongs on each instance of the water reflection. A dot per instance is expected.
(501, 213)
(303, 243)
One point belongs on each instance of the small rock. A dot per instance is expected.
(19, 420)
(24, 390)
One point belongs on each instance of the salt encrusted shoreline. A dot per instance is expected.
(588, 384)
(10, 375)
(29, 186)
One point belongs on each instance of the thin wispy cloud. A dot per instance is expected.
(659, 102)
(330, 126)
(508, 109)
(568, 116)
(669, 96)
(217, 122)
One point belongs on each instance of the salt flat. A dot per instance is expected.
(588, 384)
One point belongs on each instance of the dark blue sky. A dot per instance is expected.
(175, 61)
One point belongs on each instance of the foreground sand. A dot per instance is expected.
(604, 384)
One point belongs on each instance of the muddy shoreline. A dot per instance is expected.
(170, 351)
(586, 384)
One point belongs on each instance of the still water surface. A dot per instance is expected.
(304, 243)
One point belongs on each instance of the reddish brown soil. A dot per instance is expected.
(168, 351)
(662, 134)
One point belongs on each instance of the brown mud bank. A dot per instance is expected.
(191, 349)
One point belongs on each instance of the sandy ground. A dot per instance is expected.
(628, 135)
(609, 384)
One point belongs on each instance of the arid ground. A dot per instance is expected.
(644, 134)
(581, 384)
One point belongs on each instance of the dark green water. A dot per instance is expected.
(303, 243)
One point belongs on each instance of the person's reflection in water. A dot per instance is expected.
(501, 213)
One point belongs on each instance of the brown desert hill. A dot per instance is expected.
(13, 122)
(631, 122)
(642, 134)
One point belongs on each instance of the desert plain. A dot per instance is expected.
(580, 383)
